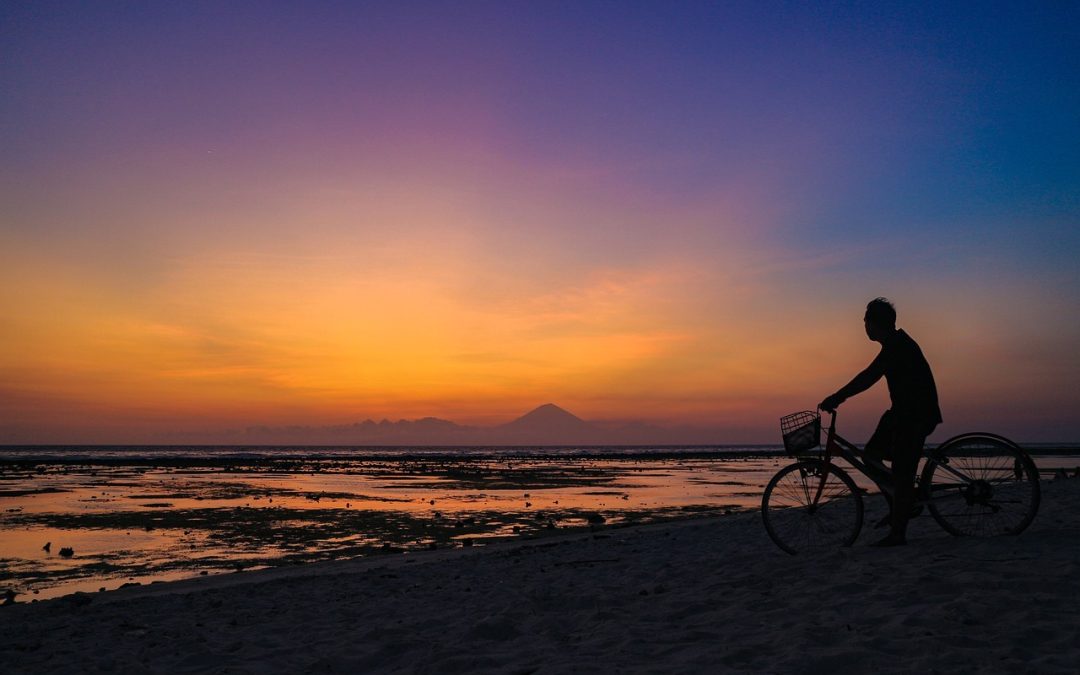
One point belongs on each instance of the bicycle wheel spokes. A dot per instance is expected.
(799, 524)
(985, 487)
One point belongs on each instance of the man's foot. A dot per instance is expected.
(893, 539)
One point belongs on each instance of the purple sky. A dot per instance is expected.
(223, 214)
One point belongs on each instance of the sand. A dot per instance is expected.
(708, 595)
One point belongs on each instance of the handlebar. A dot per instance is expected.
(832, 420)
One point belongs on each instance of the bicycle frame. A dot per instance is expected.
(837, 446)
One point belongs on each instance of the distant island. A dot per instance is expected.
(547, 424)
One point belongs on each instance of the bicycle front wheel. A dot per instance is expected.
(798, 524)
(981, 486)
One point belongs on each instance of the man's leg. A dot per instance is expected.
(876, 451)
(879, 449)
(907, 449)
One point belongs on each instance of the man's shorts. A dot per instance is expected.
(898, 437)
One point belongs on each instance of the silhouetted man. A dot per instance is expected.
(903, 428)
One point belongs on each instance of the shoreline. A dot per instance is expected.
(700, 594)
(14, 452)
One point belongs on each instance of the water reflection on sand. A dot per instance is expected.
(130, 523)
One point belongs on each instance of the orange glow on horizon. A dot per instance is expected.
(275, 339)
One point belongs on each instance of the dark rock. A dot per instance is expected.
(466, 542)
(79, 599)
(47, 547)
(596, 519)
(203, 573)
(9, 598)
(67, 552)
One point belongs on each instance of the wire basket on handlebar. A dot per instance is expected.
(801, 431)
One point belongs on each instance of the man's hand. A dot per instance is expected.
(830, 403)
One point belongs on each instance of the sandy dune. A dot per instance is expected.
(697, 596)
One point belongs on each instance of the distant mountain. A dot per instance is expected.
(548, 418)
(547, 424)
(423, 431)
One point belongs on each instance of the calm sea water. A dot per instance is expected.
(63, 453)
(150, 452)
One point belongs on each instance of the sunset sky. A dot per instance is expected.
(216, 215)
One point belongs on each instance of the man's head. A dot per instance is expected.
(880, 319)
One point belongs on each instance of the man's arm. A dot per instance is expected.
(860, 383)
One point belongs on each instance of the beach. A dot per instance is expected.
(703, 595)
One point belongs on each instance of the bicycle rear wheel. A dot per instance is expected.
(982, 485)
(796, 524)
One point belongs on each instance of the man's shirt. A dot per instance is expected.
(911, 384)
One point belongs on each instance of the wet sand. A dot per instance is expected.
(130, 521)
(708, 595)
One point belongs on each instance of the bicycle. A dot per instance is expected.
(974, 484)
